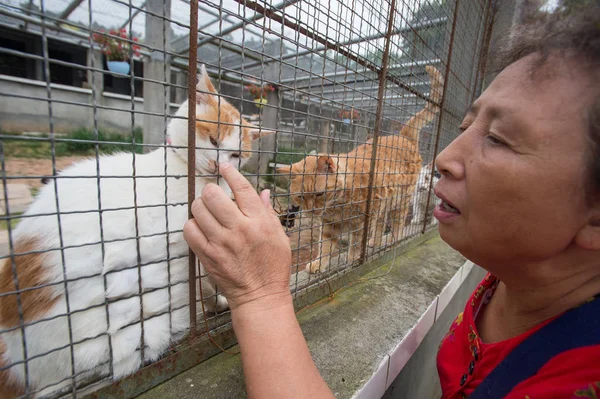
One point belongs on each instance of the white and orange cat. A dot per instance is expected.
(336, 187)
(95, 275)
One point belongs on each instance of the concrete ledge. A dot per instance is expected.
(370, 328)
(418, 378)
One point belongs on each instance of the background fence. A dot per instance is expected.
(338, 77)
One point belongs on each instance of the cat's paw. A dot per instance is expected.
(315, 267)
(216, 305)
(372, 243)
(222, 304)
(375, 242)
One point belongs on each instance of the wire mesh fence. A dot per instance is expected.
(109, 130)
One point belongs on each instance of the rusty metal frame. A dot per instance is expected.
(191, 153)
(376, 129)
(442, 101)
(329, 45)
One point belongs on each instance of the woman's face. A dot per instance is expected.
(516, 174)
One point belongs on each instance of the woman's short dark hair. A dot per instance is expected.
(568, 32)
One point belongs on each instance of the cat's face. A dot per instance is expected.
(425, 177)
(222, 135)
(313, 182)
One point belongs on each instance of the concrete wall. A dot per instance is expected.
(71, 108)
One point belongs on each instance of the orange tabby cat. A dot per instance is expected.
(335, 187)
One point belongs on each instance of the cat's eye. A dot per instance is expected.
(214, 142)
(235, 155)
(320, 194)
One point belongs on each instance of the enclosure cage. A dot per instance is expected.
(344, 85)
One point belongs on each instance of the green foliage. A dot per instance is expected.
(13, 223)
(41, 147)
(289, 155)
(108, 143)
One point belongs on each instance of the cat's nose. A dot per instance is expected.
(213, 166)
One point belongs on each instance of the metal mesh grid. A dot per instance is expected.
(347, 80)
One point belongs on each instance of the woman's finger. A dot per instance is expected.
(265, 197)
(221, 206)
(195, 237)
(246, 198)
(207, 223)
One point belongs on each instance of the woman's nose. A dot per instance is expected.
(450, 162)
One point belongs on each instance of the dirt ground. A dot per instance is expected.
(36, 167)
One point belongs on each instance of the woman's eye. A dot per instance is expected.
(494, 140)
(213, 141)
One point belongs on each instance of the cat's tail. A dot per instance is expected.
(427, 114)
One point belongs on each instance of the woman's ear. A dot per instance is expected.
(589, 236)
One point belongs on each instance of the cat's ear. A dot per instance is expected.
(204, 87)
(256, 132)
(326, 164)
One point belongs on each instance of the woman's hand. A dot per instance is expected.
(248, 255)
(244, 249)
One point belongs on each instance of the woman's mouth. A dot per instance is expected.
(445, 211)
(446, 207)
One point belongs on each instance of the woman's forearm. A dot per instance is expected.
(275, 356)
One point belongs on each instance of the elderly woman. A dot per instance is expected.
(520, 192)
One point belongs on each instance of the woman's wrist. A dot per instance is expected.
(263, 303)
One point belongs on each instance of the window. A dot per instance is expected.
(67, 75)
(118, 85)
(29, 68)
(14, 65)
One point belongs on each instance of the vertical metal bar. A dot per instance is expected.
(192, 70)
(135, 195)
(441, 114)
(167, 78)
(97, 156)
(478, 46)
(135, 13)
(219, 138)
(377, 127)
(46, 63)
(13, 262)
(485, 48)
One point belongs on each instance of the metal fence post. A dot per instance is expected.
(442, 103)
(154, 98)
(193, 54)
(378, 121)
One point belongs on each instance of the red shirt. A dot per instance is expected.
(464, 360)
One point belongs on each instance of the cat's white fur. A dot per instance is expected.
(419, 200)
(166, 311)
